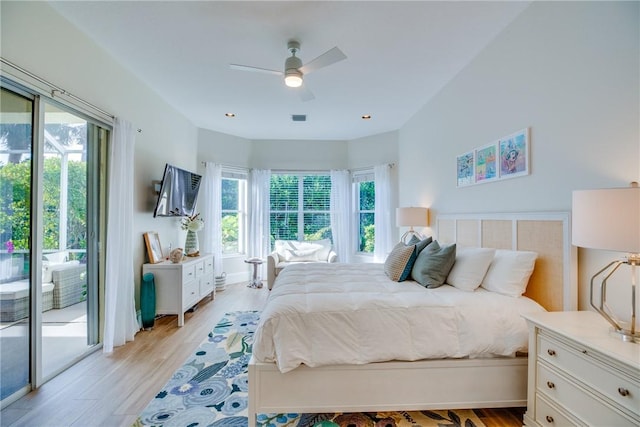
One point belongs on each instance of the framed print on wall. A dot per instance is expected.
(486, 163)
(514, 154)
(465, 173)
(154, 249)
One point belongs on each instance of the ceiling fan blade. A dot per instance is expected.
(305, 93)
(255, 69)
(329, 57)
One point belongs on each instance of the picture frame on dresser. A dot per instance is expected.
(154, 249)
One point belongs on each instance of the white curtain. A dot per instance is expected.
(341, 214)
(259, 229)
(382, 212)
(211, 213)
(120, 323)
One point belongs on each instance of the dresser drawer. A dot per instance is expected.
(206, 285)
(199, 268)
(577, 400)
(208, 265)
(188, 272)
(579, 364)
(190, 294)
(549, 415)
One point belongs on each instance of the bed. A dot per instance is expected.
(423, 380)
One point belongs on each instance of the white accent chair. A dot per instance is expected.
(287, 252)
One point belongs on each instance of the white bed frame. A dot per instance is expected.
(435, 384)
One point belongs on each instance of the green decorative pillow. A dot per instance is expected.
(420, 244)
(398, 264)
(432, 266)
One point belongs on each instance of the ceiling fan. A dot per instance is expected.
(294, 70)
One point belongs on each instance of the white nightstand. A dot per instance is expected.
(580, 374)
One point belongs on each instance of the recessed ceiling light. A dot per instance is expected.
(366, 117)
(230, 114)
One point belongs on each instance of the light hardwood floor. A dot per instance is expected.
(111, 390)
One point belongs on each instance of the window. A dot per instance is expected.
(364, 191)
(234, 208)
(300, 205)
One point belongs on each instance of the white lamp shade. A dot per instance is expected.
(293, 78)
(412, 217)
(607, 219)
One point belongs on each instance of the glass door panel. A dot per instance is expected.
(16, 125)
(65, 323)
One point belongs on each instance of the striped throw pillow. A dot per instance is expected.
(399, 262)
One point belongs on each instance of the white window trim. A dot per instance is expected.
(242, 175)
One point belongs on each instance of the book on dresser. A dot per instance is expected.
(180, 286)
(580, 373)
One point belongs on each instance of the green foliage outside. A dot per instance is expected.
(284, 190)
(368, 239)
(229, 233)
(15, 204)
(367, 197)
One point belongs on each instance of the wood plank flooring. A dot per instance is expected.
(113, 389)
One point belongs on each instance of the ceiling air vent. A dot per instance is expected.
(299, 117)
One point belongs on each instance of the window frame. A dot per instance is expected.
(242, 177)
(358, 178)
(300, 210)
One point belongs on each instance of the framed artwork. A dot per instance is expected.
(154, 249)
(486, 163)
(465, 173)
(514, 154)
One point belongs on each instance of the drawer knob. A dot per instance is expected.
(550, 384)
(551, 352)
(549, 418)
(623, 392)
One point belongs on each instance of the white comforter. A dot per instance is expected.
(327, 314)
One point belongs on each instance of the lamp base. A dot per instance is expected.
(407, 236)
(630, 334)
(626, 335)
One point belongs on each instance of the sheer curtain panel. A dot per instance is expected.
(259, 232)
(341, 214)
(382, 212)
(211, 212)
(120, 323)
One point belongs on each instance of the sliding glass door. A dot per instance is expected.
(51, 198)
(16, 130)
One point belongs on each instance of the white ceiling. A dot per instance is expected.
(399, 55)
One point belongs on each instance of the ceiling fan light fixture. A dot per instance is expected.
(293, 78)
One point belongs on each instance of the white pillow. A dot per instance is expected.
(48, 269)
(470, 267)
(509, 272)
(308, 254)
(323, 250)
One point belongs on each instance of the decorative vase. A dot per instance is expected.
(148, 300)
(191, 245)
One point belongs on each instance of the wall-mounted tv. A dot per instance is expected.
(178, 192)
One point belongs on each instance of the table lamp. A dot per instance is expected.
(412, 217)
(609, 219)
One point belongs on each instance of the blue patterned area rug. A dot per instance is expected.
(211, 390)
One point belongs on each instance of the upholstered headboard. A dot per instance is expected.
(554, 282)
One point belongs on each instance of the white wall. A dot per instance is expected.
(39, 40)
(373, 150)
(568, 70)
(224, 149)
(299, 154)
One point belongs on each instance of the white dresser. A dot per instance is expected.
(180, 286)
(579, 373)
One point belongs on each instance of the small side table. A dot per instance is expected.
(255, 282)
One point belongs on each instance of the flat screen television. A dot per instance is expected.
(178, 192)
